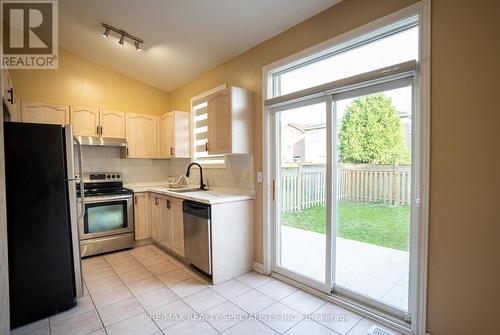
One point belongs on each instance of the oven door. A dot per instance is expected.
(107, 215)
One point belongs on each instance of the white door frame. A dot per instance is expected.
(423, 10)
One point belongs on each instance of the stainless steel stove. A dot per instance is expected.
(108, 223)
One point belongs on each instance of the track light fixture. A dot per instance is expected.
(122, 39)
(105, 34)
(123, 35)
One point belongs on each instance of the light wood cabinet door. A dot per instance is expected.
(155, 216)
(35, 112)
(8, 93)
(141, 216)
(220, 123)
(182, 134)
(165, 224)
(85, 121)
(166, 136)
(177, 227)
(174, 135)
(112, 124)
(141, 136)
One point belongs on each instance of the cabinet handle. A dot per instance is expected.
(171, 151)
(206, 146)
(169, 204)
(127, 151)
(135, 200)
(101, 130)
(11, 92)
(97, 130)
(157, 201)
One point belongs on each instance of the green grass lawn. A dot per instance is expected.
(364, 222)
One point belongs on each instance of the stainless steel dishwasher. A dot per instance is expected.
(198, 235)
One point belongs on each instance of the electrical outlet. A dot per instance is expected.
(259, 177)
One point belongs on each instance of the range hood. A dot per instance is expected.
(102, 141)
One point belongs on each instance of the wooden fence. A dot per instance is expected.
(303, 186)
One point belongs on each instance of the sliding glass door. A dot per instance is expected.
(344, 195)
(373, 199)
(301, 180)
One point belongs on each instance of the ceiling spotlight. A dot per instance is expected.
(138, 46)
(122, 40)
(105, 34)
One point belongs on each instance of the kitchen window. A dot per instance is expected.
(199, 113)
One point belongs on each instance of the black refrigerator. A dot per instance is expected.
(42, 221)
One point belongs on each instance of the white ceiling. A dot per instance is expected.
(183, 38)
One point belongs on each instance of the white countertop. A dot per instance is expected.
(212, 196)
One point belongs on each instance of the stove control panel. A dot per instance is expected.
(102, 177)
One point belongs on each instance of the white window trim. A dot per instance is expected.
(423, 10)
(191, 125)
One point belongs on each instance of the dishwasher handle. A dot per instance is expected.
(196, 209)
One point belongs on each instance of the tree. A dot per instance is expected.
(371, 132)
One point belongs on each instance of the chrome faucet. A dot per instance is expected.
(188, 172)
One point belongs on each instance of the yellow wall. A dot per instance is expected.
(85, 83)
(464, 252)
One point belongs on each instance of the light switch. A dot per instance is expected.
(259, 177)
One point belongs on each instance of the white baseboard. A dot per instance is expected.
(259, 267)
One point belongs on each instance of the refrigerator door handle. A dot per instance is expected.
(81, 214)
(73, 200)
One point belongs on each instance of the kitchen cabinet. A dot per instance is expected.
(141, 216)
(154, 215)
(85, 121)
(8, 91)
(161, 219)
(94, 122)
(177, 226)
(141, 132)
(112, 124)
(167, 225)
(230, 121)
(174, 135)
(35, 112)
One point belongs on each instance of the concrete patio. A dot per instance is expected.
(377, 272)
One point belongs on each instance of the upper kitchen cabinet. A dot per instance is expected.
(230, 123)
(85, 121)
(174, 135)
(8, 91)
(112, 124)
(35, 112)
(142, 135)
(88, 121)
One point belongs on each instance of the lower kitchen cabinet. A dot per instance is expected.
(165, 222)
(167, 226)
(154, 215)
(141, 216)
(177, 227)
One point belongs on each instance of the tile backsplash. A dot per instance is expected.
(97, 159)
(238, 174)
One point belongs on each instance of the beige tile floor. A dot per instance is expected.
(145, 291)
